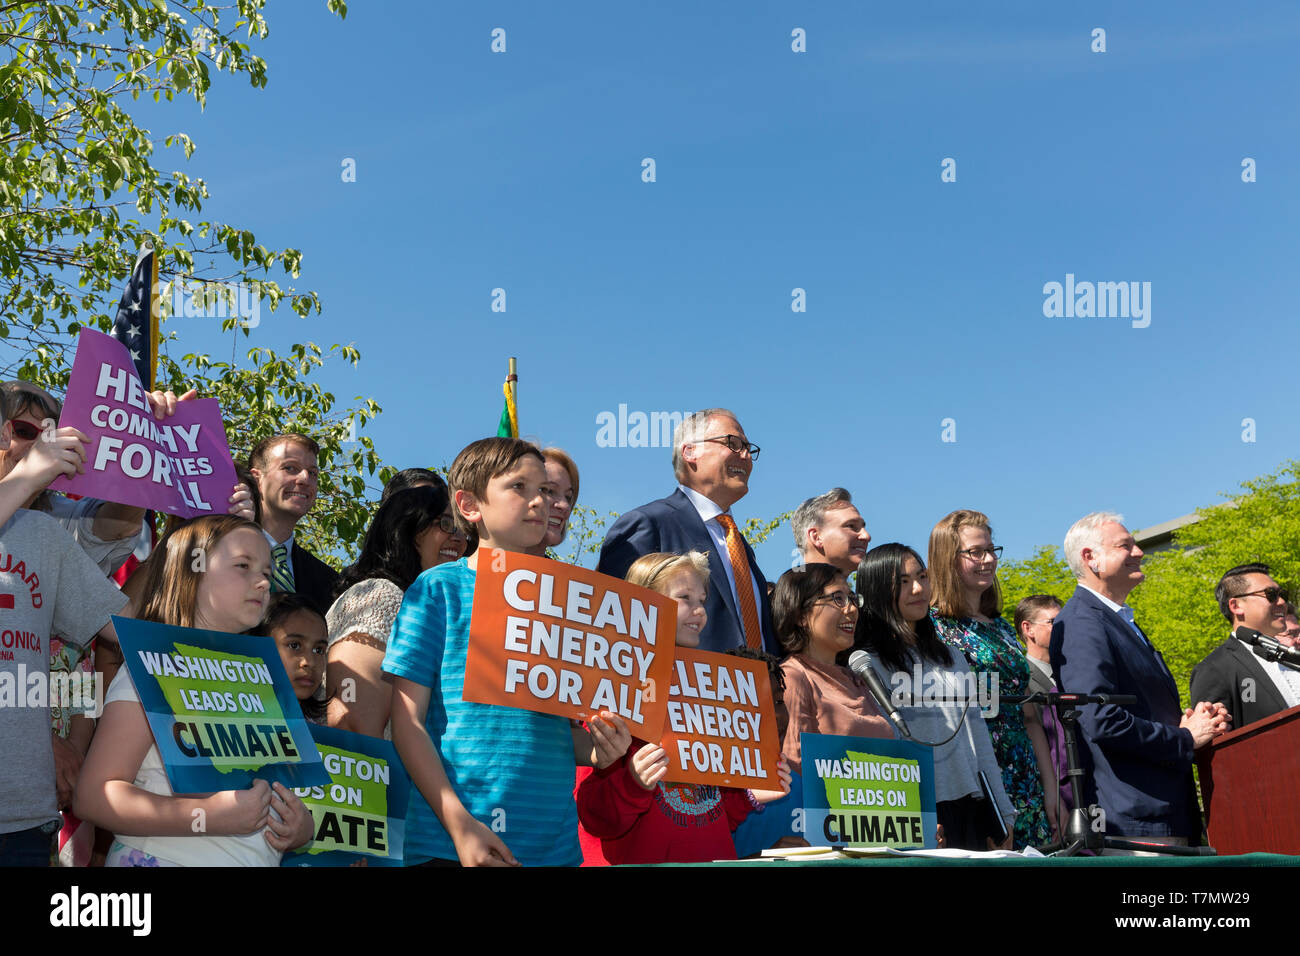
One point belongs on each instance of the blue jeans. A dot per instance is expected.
(26, 847)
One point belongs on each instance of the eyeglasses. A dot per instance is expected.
(24, 430)
(1268, 594)
(448, 525)
(977, 554)
(840, 600)
(1044, 623)
(736, 444)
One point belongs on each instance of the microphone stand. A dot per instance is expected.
(1080, 833)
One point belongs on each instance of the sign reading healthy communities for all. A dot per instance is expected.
(180, 466)
(560, 639)
(721, 726)
(361, 813)
(861, 791)
(220, 706)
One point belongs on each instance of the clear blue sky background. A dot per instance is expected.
(777, 170)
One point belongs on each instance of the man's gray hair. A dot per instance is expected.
(812, 513)
(694, 427)
(1086, 533)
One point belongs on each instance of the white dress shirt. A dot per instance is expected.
(288, 552)
(709, 511)
(1124, 611)
(1284, 679)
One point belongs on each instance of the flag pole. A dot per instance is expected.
(512, 376)
(155, 337)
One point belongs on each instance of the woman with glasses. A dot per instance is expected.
(895, 628)
(414, 530)
(816, 615)
(966, 615)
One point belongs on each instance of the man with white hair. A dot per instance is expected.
(712, 459)
(1138, 757)
(828, 529)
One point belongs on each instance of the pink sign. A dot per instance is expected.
(180, 466)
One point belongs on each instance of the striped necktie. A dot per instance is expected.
(281, 576)
(744, 584)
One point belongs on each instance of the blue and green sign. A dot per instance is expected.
(220, 706)
(361, 813)
(861, 791)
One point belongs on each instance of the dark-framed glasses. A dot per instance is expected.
(736, 444)
(1268, 594)
(841, 600)
(977, 554)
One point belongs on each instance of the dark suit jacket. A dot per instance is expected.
(313, 578)
(1219, 679)
(673, 524)
(1138, 760)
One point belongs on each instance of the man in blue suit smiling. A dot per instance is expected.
(712, 458)
(1139, 758)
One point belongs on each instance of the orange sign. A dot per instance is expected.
(560, 639)
(721, 726)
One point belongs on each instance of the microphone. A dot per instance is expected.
(1269, 648)
(860, 664)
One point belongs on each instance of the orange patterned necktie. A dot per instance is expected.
(744, 584)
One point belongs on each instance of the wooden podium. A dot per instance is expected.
(1250, 782)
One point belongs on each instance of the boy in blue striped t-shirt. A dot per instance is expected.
(494, 785)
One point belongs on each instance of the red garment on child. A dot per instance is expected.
(673, 823)
(592, 854)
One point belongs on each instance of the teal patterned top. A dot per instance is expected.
(991, 647)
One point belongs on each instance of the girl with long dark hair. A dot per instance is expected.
(895, 628)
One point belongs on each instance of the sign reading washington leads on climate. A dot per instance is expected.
(861, 791)
(221, 708)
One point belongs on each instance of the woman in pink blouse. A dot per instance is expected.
(815, 615)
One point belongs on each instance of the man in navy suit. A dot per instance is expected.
(713, 459)
(286, 470)
(1139, 757)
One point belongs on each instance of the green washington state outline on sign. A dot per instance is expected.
(911, 790)
(273, 714)
(374, 799)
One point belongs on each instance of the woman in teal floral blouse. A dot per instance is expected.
(967, 608)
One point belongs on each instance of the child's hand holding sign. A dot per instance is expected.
(648, 766)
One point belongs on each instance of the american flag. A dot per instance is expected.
(136, 323)
(136, 327)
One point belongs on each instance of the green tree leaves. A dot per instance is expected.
(77, 173)
(1175, 603)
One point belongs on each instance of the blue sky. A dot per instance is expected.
(778, 170)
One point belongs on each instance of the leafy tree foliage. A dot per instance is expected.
(1175, 603)
(81, 191)
(1044, 573)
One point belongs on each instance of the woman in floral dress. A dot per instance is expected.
(966, 613)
